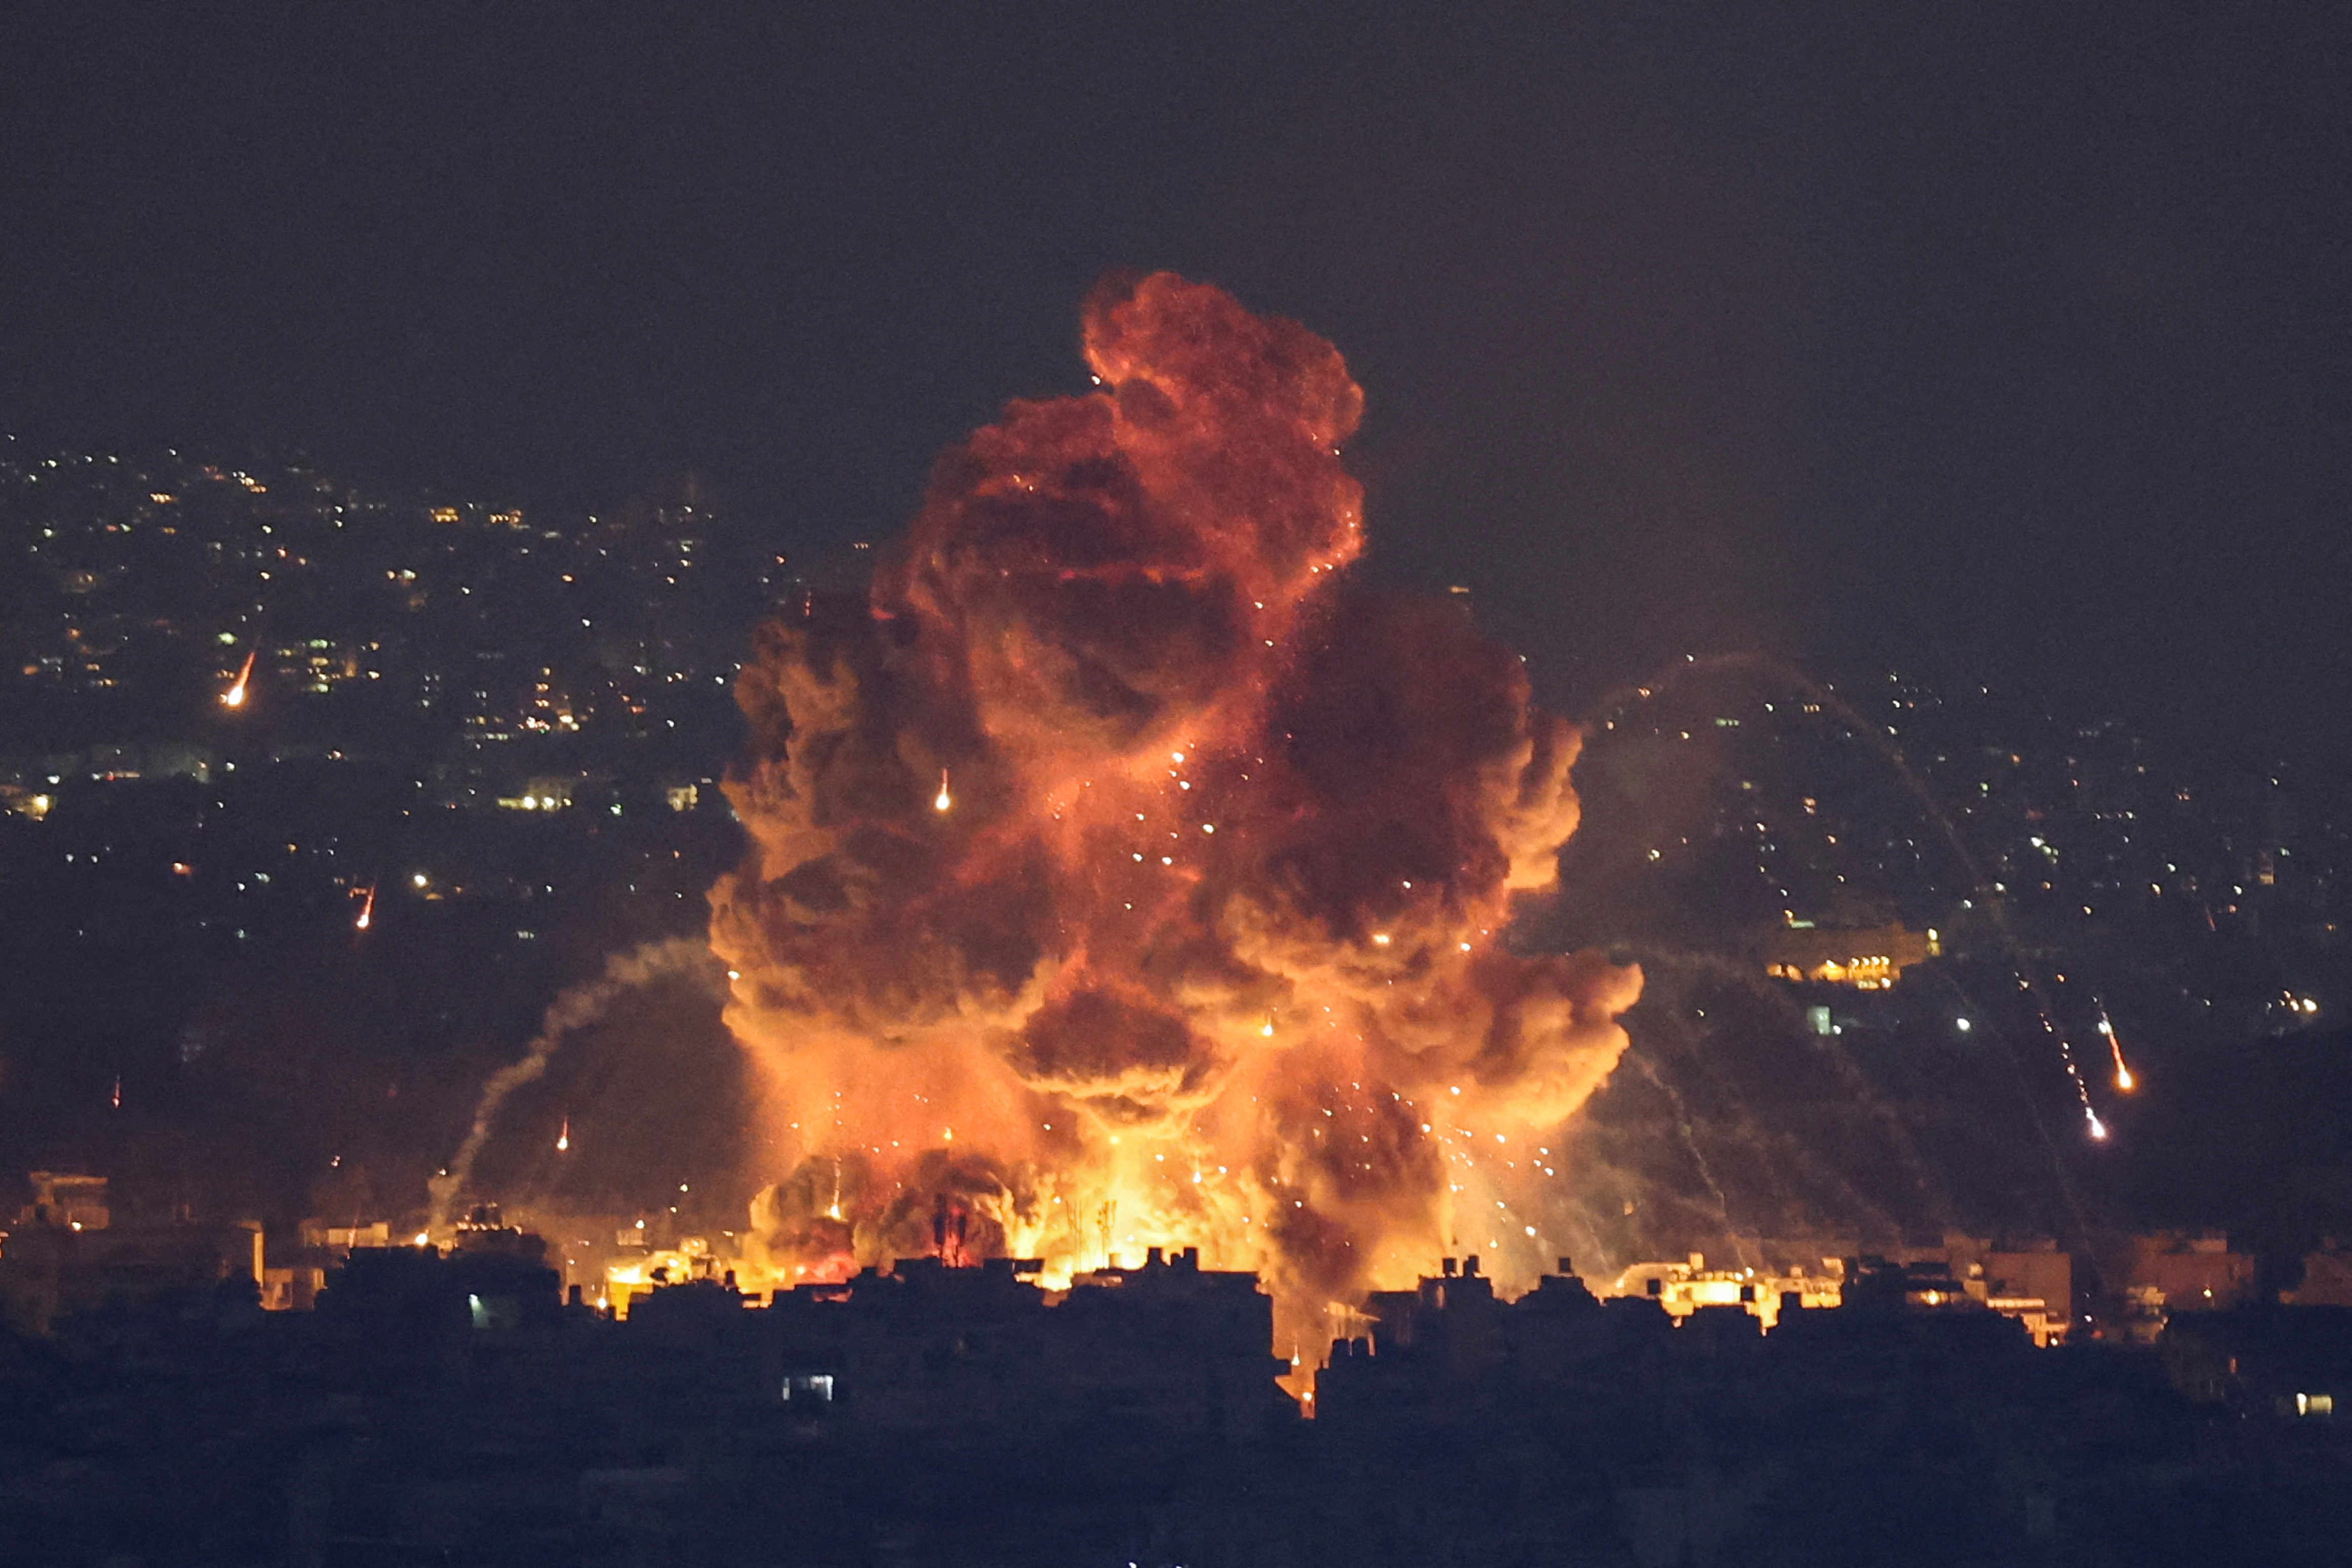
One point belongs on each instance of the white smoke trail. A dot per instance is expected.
(574, 1008)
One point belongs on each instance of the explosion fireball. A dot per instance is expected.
(1205, 946)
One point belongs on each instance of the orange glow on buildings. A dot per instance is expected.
(1867, 960)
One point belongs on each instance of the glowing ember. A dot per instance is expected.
(235, 696)
(1203, 788)
(2125, 1081)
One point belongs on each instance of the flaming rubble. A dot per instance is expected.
(1202, 944)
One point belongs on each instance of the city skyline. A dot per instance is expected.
(785, 786)
(458, 698)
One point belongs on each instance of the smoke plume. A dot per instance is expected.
(1119, 878)
(576, 1008)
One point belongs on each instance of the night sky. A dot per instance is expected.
(2000, 340)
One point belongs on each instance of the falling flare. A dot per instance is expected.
(2125, 1081)
(576, 1008)
(2098, 1128)
(235, 696)
(943, 800)
(367, 910)
(118, 1092)
(563, 1139)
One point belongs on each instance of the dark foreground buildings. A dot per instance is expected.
(454, 1409)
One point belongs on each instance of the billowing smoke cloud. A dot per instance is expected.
(1119, 879)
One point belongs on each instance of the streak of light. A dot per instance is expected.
(2125, 1081)
(235, 696)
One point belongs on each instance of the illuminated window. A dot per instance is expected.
(809, 1386)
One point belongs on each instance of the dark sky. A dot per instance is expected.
(2001, 338)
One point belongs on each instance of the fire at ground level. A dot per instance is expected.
(464, 1407)
(1117, 873)
(68, 1252)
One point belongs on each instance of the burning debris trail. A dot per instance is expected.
(576, 1008)
(1208, 950)
(235, 696)
(1986, 894)
(2124, 1082)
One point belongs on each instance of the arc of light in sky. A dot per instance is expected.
(1881, 738)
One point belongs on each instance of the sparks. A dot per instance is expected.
(1108, 1043)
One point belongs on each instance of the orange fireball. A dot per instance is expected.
(1206, 955)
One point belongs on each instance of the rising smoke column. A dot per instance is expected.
(576, 1008)
(1119, 879)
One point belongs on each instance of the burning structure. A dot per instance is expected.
(1119, 878)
